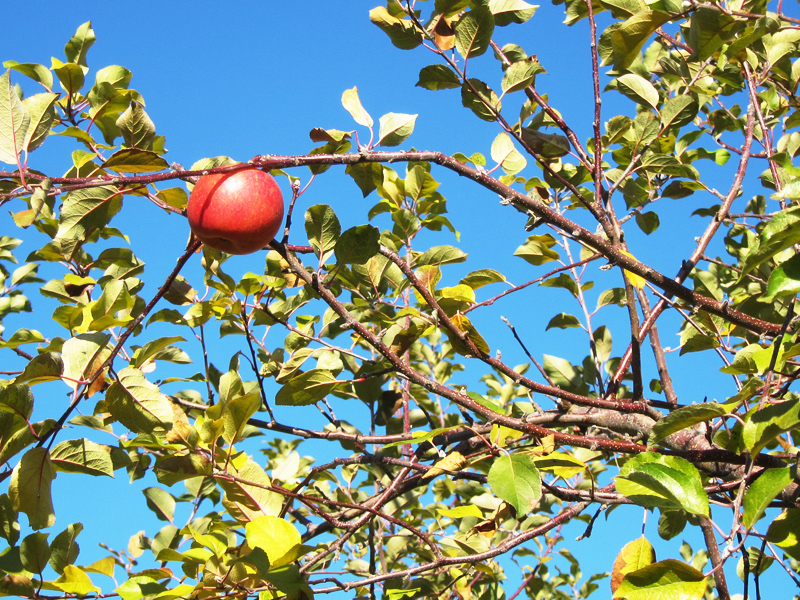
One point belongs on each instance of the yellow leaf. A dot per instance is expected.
(633, 556)
(500, 435)
(470, 510)
(277, 537)
(465, 325)
(449, 464)
(353, 105)
(633, 278)
(75, 581)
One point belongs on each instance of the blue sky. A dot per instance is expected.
(250, 78)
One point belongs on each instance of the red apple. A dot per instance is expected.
(238, 212)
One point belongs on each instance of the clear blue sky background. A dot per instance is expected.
(249, 78)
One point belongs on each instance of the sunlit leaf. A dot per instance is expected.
(14, 122)
(634, 555)
(395, 128)
(515, 479)
(665, 579)
(352, 104)
(474, 32)
(30, 488)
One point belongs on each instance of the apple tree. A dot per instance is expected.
(348, 429)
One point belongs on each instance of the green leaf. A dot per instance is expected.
(620, 43)
(420, 437)
(118, 77)
(358, 244)
(480, 99)
(448, 8)
(758, 562)
(161, 502)
(538, 249)
(37, 72)
(791, 191)
(506, 155)
(654, 480)
(511, 11)
(83, 212)
(64, 549)
(563, 321)
(560, 464)
(561, 372)
(638, 89)
(44, 367)
(34, 552)
(368, 176)
(780, 232)
(644, 130)
(237, 413)
(112, 309)
(612, 296)
(138, 587)
(486, 402)
(515, 479)
(669, 578)
(307, 388)
(352, 104)
(14, 122)
(603, 342)
(30, 488)
(82, 456)
(70, 75)
(150, 351)
(406, 223)
(671, 523)
(401, 32)
(289, 580)
(323, 230)
(684, 417)
(482, 277)
(79, 44)
(763, 425)
(665, 164)
(562, 280)
(784, 532)
(438, 77)
(763, 491)
(138, 131)
(17, 433)
(135, 160)
(440, 255)
(82, 356)
(547, 145)
(520, 75)
(679, 111)
(634, 555)
(248, 496)
(784, 280)
(709, 30)
(277, 537)
(138, 404)
(474, 32)
(41, 108)
(395, 128)
(648, 222)
(9, 525)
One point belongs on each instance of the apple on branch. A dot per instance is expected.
(238, 212)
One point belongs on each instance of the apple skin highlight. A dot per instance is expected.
(239, 212)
